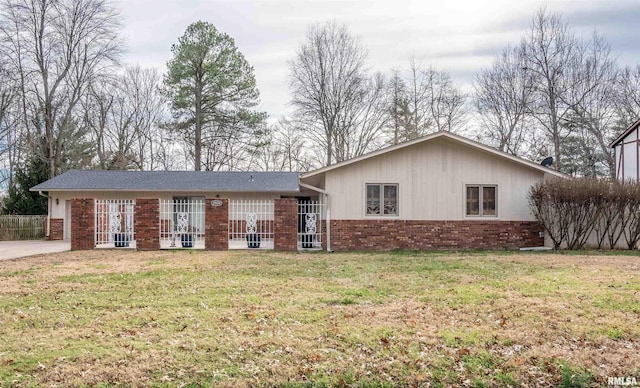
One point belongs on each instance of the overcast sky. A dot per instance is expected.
(460, 37)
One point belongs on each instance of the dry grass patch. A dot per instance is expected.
(267, 318)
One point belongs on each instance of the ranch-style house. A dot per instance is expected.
(441, 191)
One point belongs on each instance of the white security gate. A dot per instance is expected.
(311, 220)
(182, 223)
(251, 224)
(114, 223)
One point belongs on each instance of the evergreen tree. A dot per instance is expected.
(22, 201)
(213, 94)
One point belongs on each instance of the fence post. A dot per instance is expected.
(216, 226)
(285, 224)
(82, 224)
(147, 224)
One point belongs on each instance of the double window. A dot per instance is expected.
(481, 200)
(382, 199)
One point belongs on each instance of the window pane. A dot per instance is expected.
(473, 200)
(373, 199)
(488, 201)
(391, 199)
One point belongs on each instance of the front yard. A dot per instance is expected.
(270, 318)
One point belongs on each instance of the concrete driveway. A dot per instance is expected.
(15, 249)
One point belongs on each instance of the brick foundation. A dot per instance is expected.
(398, 234)
(56, 229)
(147, 224)
(285, 224)
(82, 224)
(216, 225)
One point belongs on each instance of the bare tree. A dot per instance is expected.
(398, 106)
(552, 52)
(503, 95)
(627, 99)
(446, 102)
(333, 95)
(552, 94)
(60, 46)
(8, 128)
(361, 123)
(123, 113)
(592, 101)
(282, 148)
(425, 101)
(141, 97)
(418, 120)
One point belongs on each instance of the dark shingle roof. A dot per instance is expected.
(112, 180)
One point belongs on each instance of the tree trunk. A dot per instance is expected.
(198, 127)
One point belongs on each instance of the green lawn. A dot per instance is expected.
(114, 318)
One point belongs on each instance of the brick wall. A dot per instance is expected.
(398, 234)
(56, 229)
(216, 225)
(285, 224)
(147, 224)
(82, 223)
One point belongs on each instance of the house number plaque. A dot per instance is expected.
(216, 203)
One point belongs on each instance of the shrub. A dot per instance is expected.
(631, 214)
(570, 210)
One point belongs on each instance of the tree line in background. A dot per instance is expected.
(67, 100)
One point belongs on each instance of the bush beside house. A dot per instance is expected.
(577, 211)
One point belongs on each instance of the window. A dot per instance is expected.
(382, 199)
(193, 210)
(481, 201)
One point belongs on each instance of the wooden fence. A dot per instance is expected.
(22, 227)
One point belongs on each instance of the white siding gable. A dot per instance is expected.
(432, 177)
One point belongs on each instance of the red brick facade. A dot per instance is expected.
(82, 224)
(216, 225)
(56, 229)
(346, 235)
(285, 224)
(147, 224)
(398, 234)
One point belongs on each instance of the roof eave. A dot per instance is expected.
(624, 134)
(432, 136)
(372, 154)
(166, 190)
(504, 155)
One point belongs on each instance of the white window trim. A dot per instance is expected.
(370, 216)
(480, 216)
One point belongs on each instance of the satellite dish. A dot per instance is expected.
(548, 161)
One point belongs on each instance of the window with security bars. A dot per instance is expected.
(182, 223)
(251, 224)
(114, 223)
(481, 200)
(382, 199)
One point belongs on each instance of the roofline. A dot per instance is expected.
(624, 134)
(166, 190)
(432, 136)
(183, 171)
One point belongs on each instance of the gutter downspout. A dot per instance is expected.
(48, 212)
(327, 210)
